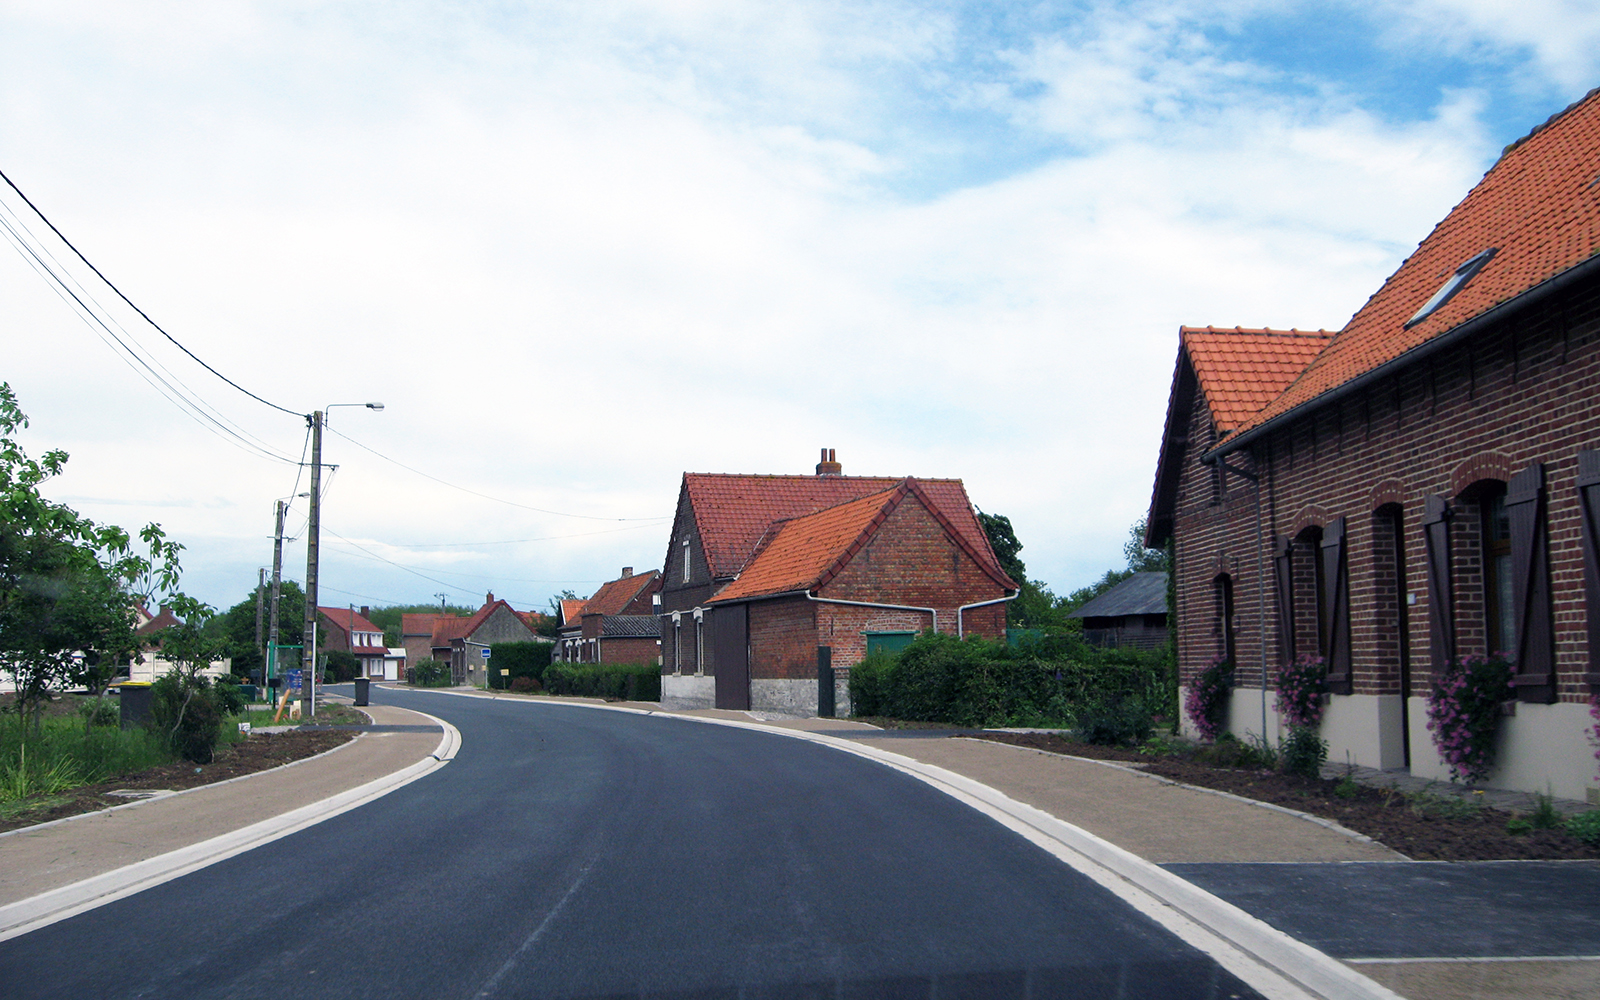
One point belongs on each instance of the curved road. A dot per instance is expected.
(571, 852)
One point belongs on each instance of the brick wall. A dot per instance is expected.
(1525, 391)
(783, 638)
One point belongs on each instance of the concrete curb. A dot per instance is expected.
(58, 904)
(1269, 960)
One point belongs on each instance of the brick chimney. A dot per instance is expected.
(488, 598)
(828, 466)
(627, 571)
(366, 611)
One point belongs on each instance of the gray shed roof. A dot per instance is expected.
(624, 626)
(1139, 594)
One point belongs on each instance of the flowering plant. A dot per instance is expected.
(1594, 713)
(1464, 713)
(1300, 687)
(1207, 700)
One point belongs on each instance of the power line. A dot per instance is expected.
(485, 496)
(135, 308)
(124, 343)
(515, 541)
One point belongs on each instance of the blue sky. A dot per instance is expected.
(580, 248)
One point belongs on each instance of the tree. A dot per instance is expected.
(1141, 559)
(67, 584)
(237, 626)
(1004, 542)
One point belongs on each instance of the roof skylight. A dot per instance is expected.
(1451, 286)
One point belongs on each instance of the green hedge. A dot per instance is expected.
(510, 660)
(623, 681)
(1047, 680)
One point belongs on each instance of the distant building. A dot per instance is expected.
(616, 625)
(776, 585)
(1131, 615)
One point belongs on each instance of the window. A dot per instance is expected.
(1499, 603)
(888, 642)
(686, 572)
(1451, 286)
(1224, 629)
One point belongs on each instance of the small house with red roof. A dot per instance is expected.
(617, 625)
(345, 630)
(1418, 487)
(149, 664)
(463, 641)
(774, 586)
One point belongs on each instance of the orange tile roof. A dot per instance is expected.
(733, 511)
(417, 623)
(1539, 206)
(348, 620)
(1241, 370)
(806, 552)
(614, 597)
(796, 553)
(572, 609)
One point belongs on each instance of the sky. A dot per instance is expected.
(577, 249)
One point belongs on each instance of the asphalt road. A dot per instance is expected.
(570, 852)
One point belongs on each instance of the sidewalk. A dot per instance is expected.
(53, 869)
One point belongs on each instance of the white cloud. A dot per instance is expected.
(577, 249)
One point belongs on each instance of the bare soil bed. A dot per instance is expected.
(260, 752)
(1430, 828)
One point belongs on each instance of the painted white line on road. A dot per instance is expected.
(46, 908)
(1270, 961)
(1468, 961)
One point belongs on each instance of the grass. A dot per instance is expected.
(60, 756)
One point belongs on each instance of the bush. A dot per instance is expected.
(511, 660)
(1303, 752)
(1464, 713)
(1116, 721)
(1586, 827)
(1229, 751)
(1207, 703)
(100, 712)
(428, 673)
(230, 699)
(1300, 688)
(184, 713)
(525, 685)
(977, 682)
(341, 667)
(616, 681)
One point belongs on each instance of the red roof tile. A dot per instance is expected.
(417, 623)
(733, 511)
(1241, 370)
(572, 609)
(806, 552)
(615, 597)
(1539, 206)
(348, 620)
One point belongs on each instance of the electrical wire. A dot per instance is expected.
(485, 496)
(123, 343)
(516, 541)
(135, 308)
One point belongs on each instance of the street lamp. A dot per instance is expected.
(313, 536)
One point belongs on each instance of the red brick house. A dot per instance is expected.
(463, 641)
(775, 585)
(617, 625)
(346, 630)
(1420, 486)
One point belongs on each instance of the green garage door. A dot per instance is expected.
(888, 642)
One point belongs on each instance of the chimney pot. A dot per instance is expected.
(829, 466)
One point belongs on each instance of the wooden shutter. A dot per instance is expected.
(1530, 586)
(1283, 569)
(1336, 606)
(1441, 606)
(1589, 510)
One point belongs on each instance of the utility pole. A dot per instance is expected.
(308, 659)
(441, 602)
(261, 587)
(277, 583)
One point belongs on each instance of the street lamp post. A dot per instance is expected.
(313, 538)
